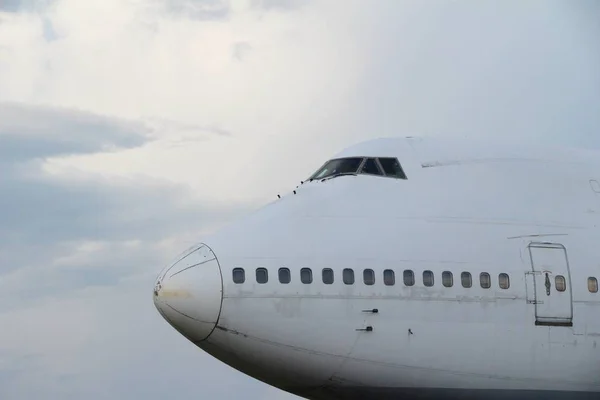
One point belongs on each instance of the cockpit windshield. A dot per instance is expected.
(381, 166)
(338, 166)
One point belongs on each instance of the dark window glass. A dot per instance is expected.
(428, 278)
(389, 277)
(447, 279)
(392, 167)
(348, 276)
(327, 276)
(306, 275)
(338, 166)
(466, 280)
(561, 283)
(371, 167)
(409, 277)
(369, 277)
(503, 281)
(262, 276)
(284, 275)
(239, 276)
(593, 285)
(485, 280)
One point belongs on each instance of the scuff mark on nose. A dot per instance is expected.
(176, 293)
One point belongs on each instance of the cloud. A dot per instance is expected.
(52, 218)
(23, 5)
(279, 4)
(35, 132)
(10, 5)
(199, 9)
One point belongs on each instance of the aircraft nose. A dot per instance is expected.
(189, 292)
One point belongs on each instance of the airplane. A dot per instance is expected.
(408, 267)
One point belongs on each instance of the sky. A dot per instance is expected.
(130, 129)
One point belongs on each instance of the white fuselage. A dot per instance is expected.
(463, 211)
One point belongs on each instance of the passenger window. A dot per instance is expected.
(409, 277)
(447, 279)
(371, 167)
(485, 280)
(389, 277)
(593, 285)
(503, 281)
(327, 276)
(262, 276)
(392, 167)
(348, 276)
(428, 278)
(466, 280)
(560, 283)
(306, 275)
(239, 276)
(369, 277)
(284, 275)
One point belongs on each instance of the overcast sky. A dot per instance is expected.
(131, 128)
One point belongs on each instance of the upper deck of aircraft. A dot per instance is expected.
(389, 156)
(501, 180)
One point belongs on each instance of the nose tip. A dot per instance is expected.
(189, 292)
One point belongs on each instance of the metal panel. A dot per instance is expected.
(552, 307)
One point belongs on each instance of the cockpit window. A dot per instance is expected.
(338, 166)
(370, 167)
(392, 167)
(380, 166)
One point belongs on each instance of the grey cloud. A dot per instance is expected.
(24, 5)
(28, 132)
(279, 4)
(44, 212)
(11, 5)
(199, 9)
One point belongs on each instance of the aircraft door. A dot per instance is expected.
(551, 284)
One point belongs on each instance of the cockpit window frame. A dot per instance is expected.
(403, 173)
(358, 171)
(377, 165)
(315, 176)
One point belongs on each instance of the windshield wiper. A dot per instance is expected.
(338, 174)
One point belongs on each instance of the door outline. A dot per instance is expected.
(531, 276)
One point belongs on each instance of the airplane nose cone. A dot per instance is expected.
(189, 292)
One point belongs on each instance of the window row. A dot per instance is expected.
(389, 278)
(368, 277)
